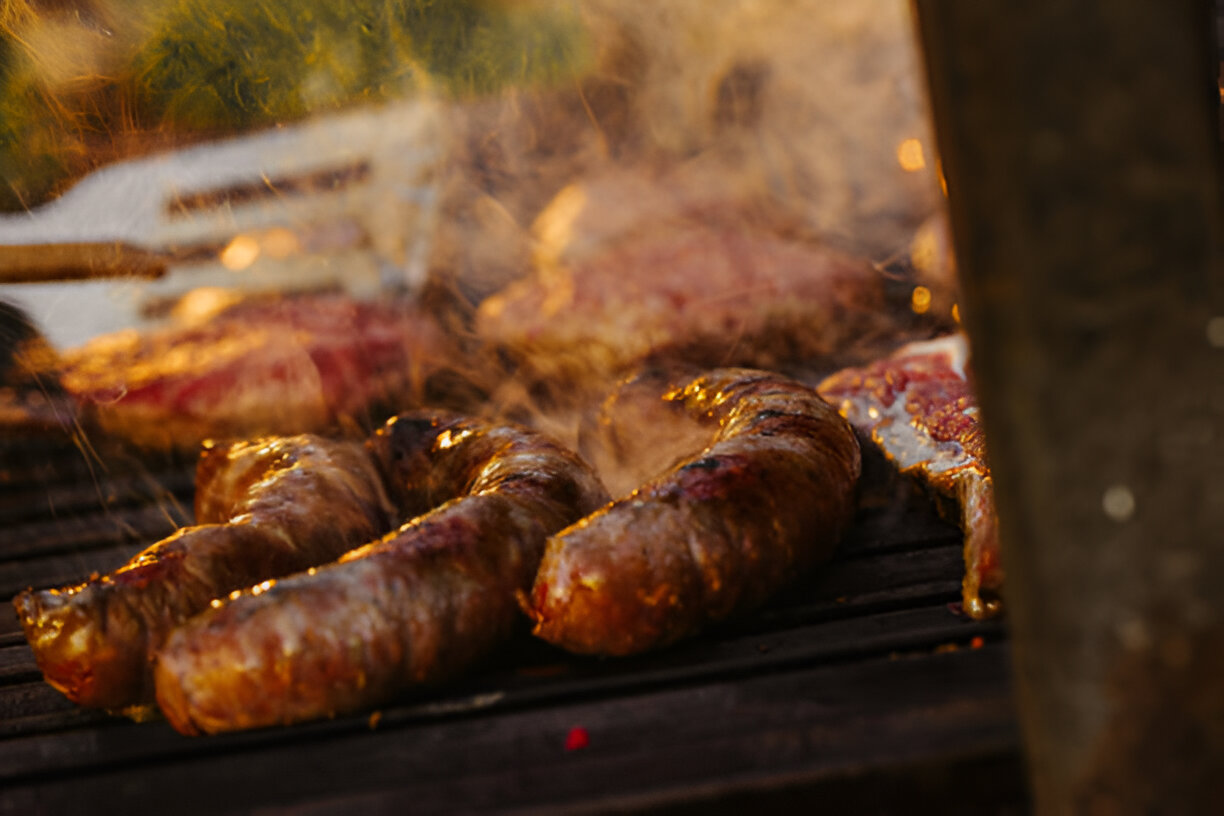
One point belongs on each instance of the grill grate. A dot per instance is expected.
(862, 673)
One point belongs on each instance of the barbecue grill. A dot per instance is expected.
(862, 689)
(862, 675)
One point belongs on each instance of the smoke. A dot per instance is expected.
(790, 114)
(801, 106)
(799, 123)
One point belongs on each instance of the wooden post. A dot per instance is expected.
(1079, 140)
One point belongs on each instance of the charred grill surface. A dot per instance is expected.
(857, 675)
(259, 505)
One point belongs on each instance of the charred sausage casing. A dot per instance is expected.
(259, 503)
(418, 606)
(718, 534)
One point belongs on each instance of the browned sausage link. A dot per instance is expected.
(93, 641)
(718, 534)
(416, 607)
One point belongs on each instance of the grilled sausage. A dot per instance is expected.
(418, 606)
(260, 503)
(718, 534)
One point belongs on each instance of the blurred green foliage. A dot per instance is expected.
(32, 151)
(213, 67)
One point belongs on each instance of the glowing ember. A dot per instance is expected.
(577, 739)
(203, 303)
(910, 156)
(240, 254)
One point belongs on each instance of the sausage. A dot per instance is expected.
(416, 607)
(259, 503)
(716, 535)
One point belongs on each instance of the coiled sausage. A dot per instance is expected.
(413, 608)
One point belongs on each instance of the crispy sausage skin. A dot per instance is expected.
(259, 505)
(413, 608)
(718, 534)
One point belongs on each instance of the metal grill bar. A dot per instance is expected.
(862, 668)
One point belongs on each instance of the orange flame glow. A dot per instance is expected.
(910, 155)
(240, 253)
